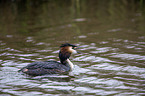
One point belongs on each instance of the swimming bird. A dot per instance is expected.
(53, 67)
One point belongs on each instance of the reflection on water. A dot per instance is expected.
(110, 34)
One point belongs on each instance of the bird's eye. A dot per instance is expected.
(74, 48)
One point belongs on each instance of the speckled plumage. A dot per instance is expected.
(46, 67)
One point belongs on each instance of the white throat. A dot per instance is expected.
(70, 64)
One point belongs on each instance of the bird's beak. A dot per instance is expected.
(77, 48)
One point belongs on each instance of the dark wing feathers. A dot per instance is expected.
(45, 65)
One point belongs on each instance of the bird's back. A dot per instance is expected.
(45, 67)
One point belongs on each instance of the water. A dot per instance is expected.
(111, 36)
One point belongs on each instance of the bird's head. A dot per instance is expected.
(66, 50)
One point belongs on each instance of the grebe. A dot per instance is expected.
(53, 67)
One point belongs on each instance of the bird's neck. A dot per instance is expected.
(63, 56)
(70, 64)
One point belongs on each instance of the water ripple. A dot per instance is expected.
(129, 56)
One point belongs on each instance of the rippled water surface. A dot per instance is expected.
(111, 36)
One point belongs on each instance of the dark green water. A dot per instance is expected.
(111, 34)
